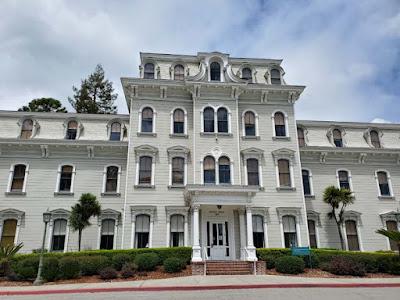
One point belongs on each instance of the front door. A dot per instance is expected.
(218, 240)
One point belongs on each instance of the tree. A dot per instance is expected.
(81, 213)
(392, 235)
(95, 96)
(338, 199)
(44, 105)
(7, 252)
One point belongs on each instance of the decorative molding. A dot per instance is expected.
(45, 151)
(151, 211)
(292, 211)
(352, 215)
(90, 150)
(315, 216)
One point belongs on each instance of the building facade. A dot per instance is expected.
(210, 156)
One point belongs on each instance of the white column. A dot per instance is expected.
(133, 234)
(260, 175)
(66, 238)
(151, 233)
(242, 235)
(168, 232)
(153, 170)
(186, 232)
(98, 234)
(299, 242)
(196, 252)
(115, 235)
(50, 233)
(251, 250)
(266, 243)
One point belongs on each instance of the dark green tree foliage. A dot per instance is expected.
(95, 96)
(81, 212)
(44, 105)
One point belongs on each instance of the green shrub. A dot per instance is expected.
(120, 259)
(50, 268)
(128, 270)
(147, 261)
(311, 261)
(395, 267)
(69, 268)
(345, 265)
(108, 273)
(173, 265)
(26, 269)
(289, 265)
(91, 265)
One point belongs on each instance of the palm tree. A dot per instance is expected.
(81, 213)
(338, 199)
(392, 235)
(7, 252)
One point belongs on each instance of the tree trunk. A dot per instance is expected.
(79, 239)
(339, 227)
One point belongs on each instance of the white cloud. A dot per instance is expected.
(379, 120)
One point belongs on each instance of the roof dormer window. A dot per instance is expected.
(179, 72)
(275, 76)
(246, 74)
(148, 71)
(215, 71)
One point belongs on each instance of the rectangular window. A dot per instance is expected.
(177, 231)
(312, 233)
(145, 169)
(306, 182)
(344, 182)
(252, 172)
(8, 234)
(107, 234)
(112, 179)
(18, 179)
(289, 231)
(258, 231)
(142, 231)
(66, 178)
(383, 184)
(352, 236)
(178, 171)
(392, 226)
(284, 173)
(59, 232)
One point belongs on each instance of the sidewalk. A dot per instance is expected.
(203, 283)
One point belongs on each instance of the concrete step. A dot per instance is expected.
(229, 268)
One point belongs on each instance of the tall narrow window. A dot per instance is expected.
(344, 181)
(142, 231)
(312, 233)
(17, 184)
(8, 234)
(112, 179)
(208, 116)
(179, 121)
(72, 130)
(215, 71)
(179, 72)
(284, 173)
(149, 71)
(306, 182)
(26, 130)
(246, 74)
(383, 183)
(145, 169)
(300, 137)
(115, 133)
(66, 178)
(177, 230)
(250, 123)
(107, 234)
(280, 128)
(147, 120)
(258, 231)
(224, 168)
(209, 170)
(59, 232)
(392, 226)
(337, 138)
(275, 76)
(253, 177)
(352, 236)
(375, 139)
(178, 171)
(289, 231)
(222, 115)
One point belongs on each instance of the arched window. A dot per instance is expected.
(215, 71)
(383, 182)
(147, 119)
(179, 72)
(142, 231)
(145, 169)
(252, 172)
(224, 170)
(26, 129)
(208, 117)
(178, 171)
(337, 138)
(115, 132)
(18, 178)
(352, 235)
(306, 182)
(209, 170)
(344, 180)
(112, 179)
(312, 233)
(375, 139)
(177, 231)
(8, 233)
(66, 178)
(72, 130)
(392, 226)
(284, 173)
(250, 123)
(246, 74)
(300, 137)
(59, 233)
(258, 231)
(107, 234)
(275, 76)
(179, 121)
(149, 71)
(280, 128)
(222, 115)
(289, 231)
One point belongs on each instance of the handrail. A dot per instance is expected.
(254, 262)
(205, 258)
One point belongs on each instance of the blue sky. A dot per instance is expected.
(347, 53)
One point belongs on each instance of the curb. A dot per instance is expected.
(200, 288)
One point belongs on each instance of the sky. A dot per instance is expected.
(346, 53)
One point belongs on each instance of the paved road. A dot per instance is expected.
(259, 294)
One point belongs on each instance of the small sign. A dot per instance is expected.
(301, 251)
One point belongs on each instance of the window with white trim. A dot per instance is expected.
(179, 121)
(179, 72)
(59, 234)
(391, 225)
(18, 176)
(107, 234)
(9, 231)
(353, 243)
(147, 120)
(344, 179)
(280, 126)
(208, 119)
(72, 130)
(300, 137)
(148, 71)
(306, 176)
(215, 71)
(66, 176)
(375, 140)
(284, 173)
(115, 131)
(249, 123)
(275, 76)
(177, 230)
(337, 138)
(145, 170)
(112, 179)
(142, 231)
(26, 129)
(209, 170)
(222, 117)
(253, 176)
(384, 184)
(312, 233)
(178, 171)
(289, 231)
(258, 231)
(247, 74)
(224, 170)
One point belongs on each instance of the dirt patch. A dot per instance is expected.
(323, 274)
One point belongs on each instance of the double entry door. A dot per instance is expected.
(218, 240)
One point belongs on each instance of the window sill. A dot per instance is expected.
(176, 186)
(281, 138)
(216, 134)
(110, 194)
(285, 188)
(144, 186)
(151, 134)
(250, 137)
(309, 196)
(63, 193)
(386, 198)
(15, 193)
(179, 135)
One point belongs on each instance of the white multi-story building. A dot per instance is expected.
(210, 156)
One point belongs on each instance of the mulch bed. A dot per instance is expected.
(323, 274)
